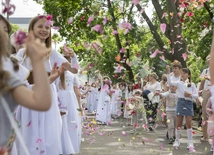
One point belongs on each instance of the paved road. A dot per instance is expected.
(115, 139)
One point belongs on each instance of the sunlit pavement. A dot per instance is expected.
(115, 139)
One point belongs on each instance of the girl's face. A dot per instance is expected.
(3, 26)
(93, 85)
(151, 77)
(184, 75)
(40, 30)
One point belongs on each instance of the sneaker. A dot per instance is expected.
(171, 140)
(190, 145)
(176, 144)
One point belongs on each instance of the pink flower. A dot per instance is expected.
(125, 26)
(8, 8)
(49, 17)
(18, 38)
(190, 14)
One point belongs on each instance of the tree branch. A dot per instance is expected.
(160, 13)
(206, 6)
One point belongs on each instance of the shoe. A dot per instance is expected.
(176, 144)
(190, 145)
(151, 129)
(203, 139)
(171, 140)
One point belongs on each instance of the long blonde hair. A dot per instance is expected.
(48, 41)
(4, 75)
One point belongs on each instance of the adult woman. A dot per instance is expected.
(153, 85)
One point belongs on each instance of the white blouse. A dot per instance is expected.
(182, 88)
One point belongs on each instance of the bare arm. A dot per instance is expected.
(40, 97)
(212, 62)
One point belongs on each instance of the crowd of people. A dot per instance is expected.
(41, 87)
(141, 102)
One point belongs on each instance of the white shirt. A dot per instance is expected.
(165, 94)
(182, 88)
(152, 88)
(173, 78)
(207, 82)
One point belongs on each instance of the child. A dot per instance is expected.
(186, 92)
(46, 126)
(103, 108)
(137, 110)
(71, 121)
(14, 91)
(210, 122)
(116, 101)
(171, 102)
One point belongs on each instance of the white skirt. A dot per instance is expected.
(41, 130)
(72, 129)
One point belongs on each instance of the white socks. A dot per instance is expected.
(189, 135)
(177, 134)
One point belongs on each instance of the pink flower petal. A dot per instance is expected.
(163, 27)
(70, 20)
(97, 28)
(184, 55)
(105, 20)
(90, 19)
(29, 124)
(135, 2)
(56, 28)
(115, 32)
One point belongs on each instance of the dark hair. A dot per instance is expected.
(7, 23)
(186, 70)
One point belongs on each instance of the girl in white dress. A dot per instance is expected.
(128, 96)
(71, 119)
(103, 108)
(42, 130)
(116, 101)
(93, 97)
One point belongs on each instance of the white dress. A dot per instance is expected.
(103, 108)
(71, 129)
(93, 99)
(42, 130)
(128, 95)
(116, 102)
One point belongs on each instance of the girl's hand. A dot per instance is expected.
(167, 69)
(3, 150)
(55, 72)
(36, 50)
(187, 94)
(66, 65)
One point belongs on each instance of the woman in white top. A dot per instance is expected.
(186, 92)
(153, 85)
